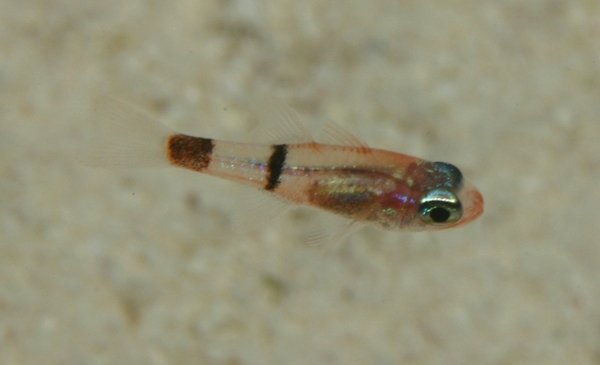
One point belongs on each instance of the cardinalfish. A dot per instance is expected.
(339, 173)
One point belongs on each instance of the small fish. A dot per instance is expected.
(339, 174)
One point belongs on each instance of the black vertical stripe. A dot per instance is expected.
(275, 166)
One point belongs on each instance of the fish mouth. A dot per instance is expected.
(472, 202)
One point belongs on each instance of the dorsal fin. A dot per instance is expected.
(278, 123)
(334, 134)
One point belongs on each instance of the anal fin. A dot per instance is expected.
(255, 209)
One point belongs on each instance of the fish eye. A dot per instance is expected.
(440, 206)
(453, 174)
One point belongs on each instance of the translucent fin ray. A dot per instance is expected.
(255, 209)
(331, 230)
(124, 137)
(334, 134)
(278, 124)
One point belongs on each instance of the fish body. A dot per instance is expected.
(340, 175)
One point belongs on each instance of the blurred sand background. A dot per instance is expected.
(142, 267)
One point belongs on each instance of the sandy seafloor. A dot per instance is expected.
(144, 266)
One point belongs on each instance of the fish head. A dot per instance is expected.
(430, 196)
(451, 202)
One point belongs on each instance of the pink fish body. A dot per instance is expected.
(340, 174)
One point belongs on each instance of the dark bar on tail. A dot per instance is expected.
(189, 152)
(275, 166)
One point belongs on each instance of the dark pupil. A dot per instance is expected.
(439, 215)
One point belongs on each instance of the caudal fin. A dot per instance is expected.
(125, 137)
